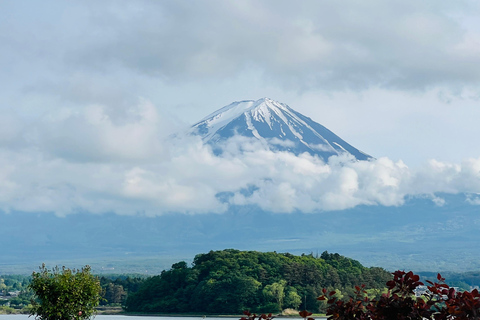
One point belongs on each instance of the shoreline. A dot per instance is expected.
(205, 316)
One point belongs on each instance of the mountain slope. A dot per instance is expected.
(276, 124)
(419, 235)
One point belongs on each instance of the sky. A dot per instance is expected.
(90, 91)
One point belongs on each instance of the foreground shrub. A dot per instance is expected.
(440, 302)
(62, 294)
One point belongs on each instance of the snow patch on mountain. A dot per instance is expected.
(277, 125)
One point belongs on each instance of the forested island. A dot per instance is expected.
(230, 281)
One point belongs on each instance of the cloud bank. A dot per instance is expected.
(74, 137)
(102, 160)
(404, 45)
(364, 69)
(399, 45)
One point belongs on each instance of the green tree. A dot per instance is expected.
(292, 298)
(275, 292)
(64, 294)
(3, 286)
(230, 281)
(114, 293)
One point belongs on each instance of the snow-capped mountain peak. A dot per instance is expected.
(260, 109)
(281, 127)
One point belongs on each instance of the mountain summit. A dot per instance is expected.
(275, 123)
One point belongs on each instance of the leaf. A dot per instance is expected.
(305, 314)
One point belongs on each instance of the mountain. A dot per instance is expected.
(419, 236)
(277, 125)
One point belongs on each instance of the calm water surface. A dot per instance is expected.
(119, 317)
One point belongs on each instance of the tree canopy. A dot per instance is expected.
(64, 294)
(230, 281)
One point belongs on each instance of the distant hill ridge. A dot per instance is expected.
(230, 281)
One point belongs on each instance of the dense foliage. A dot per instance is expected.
(439, 302)
(14, 294)
(62, 294)
(231, 281)
(116, 288)
(10, 283)
(461, 280)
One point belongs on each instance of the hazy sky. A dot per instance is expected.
(90, 88)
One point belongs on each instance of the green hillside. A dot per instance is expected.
(230, 281)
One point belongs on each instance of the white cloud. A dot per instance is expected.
(364, 69)
(322, 147)
(101, 162)
(316, 46)
(474, 199)
(99, 133)
(283, 143)
(73, 135)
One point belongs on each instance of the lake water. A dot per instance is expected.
(121, 317)
(118, 317)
